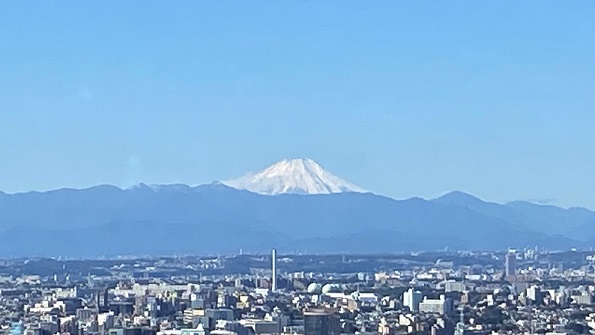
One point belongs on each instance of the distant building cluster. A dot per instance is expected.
(516, 292)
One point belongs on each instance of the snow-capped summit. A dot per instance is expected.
(298, 176)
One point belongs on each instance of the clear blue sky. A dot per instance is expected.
(405, 98)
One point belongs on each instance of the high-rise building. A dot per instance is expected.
(454, 286)
(534, 295)
(274, 270)
(510, 264)
(440, 306)
(321, 322)
(411, 299)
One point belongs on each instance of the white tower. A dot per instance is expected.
(274, 270)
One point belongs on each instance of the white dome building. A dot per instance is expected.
(331, 288)
(314, 288)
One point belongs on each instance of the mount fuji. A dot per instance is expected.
(293, 176)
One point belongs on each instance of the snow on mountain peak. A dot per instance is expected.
(298, 176)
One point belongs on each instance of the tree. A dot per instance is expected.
(492, 315)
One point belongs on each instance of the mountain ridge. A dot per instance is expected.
(155, 220)
(299, 205)
(126, 219)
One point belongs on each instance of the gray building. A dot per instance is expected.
(510, 264)
(321, 322)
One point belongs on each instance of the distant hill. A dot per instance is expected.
(548, 219)
(168, 219)
(292, 205)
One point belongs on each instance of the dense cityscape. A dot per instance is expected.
(526, 291)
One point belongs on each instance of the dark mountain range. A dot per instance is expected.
(208, 219)
(552, 220)
(555, 220)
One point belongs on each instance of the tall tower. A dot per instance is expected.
(274, 270)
